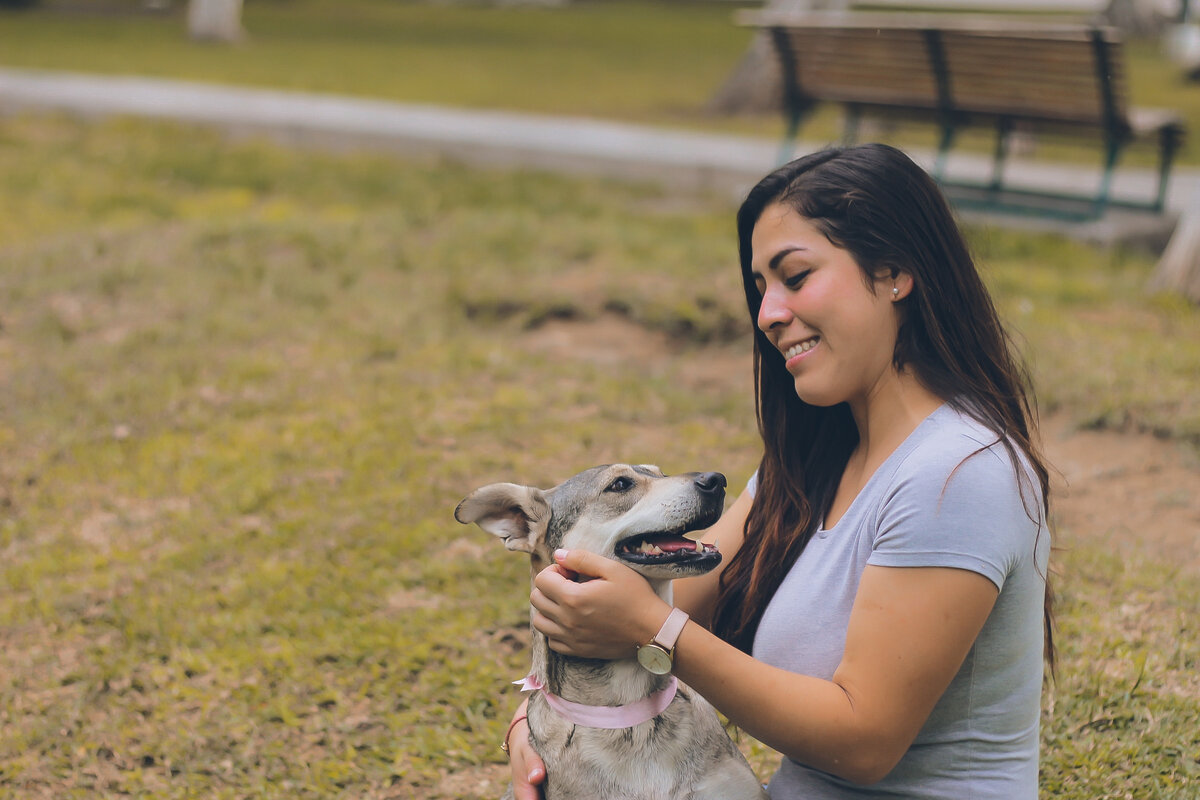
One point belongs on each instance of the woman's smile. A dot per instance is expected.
(798, 352)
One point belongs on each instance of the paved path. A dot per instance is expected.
(681, 158)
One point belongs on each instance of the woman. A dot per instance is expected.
(879, 619)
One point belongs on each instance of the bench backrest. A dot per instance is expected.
(1064, 74)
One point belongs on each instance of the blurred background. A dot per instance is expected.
(283, 281)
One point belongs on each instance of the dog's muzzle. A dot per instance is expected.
(672, 547)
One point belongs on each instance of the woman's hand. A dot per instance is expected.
(605, 617)
(528, 770)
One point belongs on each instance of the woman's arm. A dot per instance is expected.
(909, 631)
(698, 596)
(528, 771)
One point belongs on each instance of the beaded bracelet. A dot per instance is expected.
(504, 744)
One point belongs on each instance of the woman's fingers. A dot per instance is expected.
(583, 562)
(604, 615)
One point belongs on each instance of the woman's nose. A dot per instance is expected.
(773, 310)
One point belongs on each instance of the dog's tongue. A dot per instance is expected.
(674, 545)
(665, 544)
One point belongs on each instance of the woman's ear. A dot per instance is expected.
(901, 285)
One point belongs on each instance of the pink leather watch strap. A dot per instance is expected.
(668, 634)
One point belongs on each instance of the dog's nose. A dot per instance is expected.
(710, 482)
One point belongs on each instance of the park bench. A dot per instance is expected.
(959, 72)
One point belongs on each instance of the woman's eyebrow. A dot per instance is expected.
(773, 264)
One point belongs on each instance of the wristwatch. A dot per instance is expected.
(658, 654)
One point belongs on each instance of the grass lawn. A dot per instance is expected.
(637, 60)
(244, 387)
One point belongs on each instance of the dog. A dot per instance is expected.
(637, 516)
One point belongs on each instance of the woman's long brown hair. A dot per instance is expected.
(875, 203)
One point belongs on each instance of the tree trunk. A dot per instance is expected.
(755, 83)
(1136, 17)
(1179, 268)
(215, 20)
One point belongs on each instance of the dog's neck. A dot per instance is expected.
(596, 682)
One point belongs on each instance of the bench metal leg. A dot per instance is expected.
(1168, 144)
(795, 105)
(788, 148)
(943, 153)
(1112, 151)
(1000, 154)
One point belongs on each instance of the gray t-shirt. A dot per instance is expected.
(931, 504)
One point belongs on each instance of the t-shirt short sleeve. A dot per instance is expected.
(953, 504)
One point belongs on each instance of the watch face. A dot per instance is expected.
(654, 658)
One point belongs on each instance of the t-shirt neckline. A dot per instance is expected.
(896, 455)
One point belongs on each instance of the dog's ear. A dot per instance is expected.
(517, 514)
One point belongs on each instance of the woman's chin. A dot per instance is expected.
(818, 398)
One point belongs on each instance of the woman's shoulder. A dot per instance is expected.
(951, 436)
(952, 452)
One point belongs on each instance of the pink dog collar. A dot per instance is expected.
(608, 717)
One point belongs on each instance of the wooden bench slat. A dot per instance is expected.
(1049, 75)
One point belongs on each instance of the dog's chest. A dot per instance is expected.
(657, 759)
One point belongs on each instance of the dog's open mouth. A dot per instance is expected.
(664, 548)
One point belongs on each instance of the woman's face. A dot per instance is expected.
(836, 335)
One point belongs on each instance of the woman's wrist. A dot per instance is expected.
(520, 715)
(651, 623)
(511, 726)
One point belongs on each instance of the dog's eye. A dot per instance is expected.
(621, 484)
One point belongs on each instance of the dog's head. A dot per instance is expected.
(634, 514)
